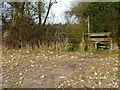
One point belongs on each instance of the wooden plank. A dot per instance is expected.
(98, 34)
(100, 39)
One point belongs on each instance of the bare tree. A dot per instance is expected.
(19, 10)
(39, 11)
(48, 11)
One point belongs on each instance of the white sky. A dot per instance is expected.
(58, 10)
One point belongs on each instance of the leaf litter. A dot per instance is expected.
(66, 70)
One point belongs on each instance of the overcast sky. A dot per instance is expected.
(58, 10)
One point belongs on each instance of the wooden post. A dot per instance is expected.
(96, 45)
(82, 43)
(88, 25)
(111, 45)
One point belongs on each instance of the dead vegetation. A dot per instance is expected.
(39, 69)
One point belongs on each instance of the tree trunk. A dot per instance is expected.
(19, 10)
(118, 36)
(39, 11)
(49, 7)
(28, 9)
(22, 8)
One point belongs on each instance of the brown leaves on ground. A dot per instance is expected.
(28, 69)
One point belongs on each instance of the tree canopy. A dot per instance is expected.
(103, 15)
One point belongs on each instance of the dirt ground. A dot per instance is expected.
(39, 69)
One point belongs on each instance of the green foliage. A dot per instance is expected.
(75, 34)
(103, 15)
(102, 51)
(73, 47)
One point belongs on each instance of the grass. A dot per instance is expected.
(98, 51)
